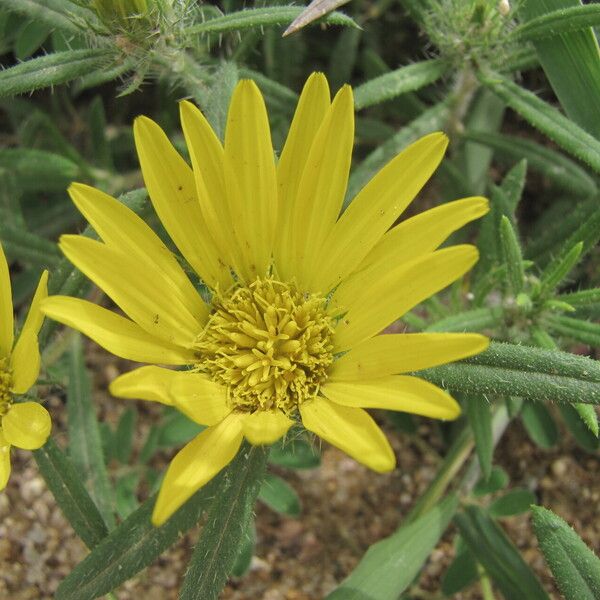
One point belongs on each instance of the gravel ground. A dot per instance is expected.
(345, 509)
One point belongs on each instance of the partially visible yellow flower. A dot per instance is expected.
(22, 424)
(299, 293)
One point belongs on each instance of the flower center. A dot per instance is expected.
(269, 344)
(5, 385)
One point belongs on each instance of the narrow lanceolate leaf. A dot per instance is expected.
(389, 566)
(581, 298)
(498, 556)
(64, 482)
(531, 373)
(539, 424)
(570, 59)
(514, 183)
(547, 119)
(514, 502)
(217, 549)
(574, 566)
(28, 247)
(557, 22)
(315, 10)
(513, 258)
(51, 12)
(135, 543)
(279, 495)
(558, 169)
(480, 420)
(52, 69)
(85, 447)
(558, 269)
(403, 80)
(261, 17)
(582, 331)
(431, 120)
(469, 320)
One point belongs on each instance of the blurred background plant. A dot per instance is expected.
(516, 85)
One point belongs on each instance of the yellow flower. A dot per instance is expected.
(22, 424)
(298, 294)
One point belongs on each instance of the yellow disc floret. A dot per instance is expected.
(5, 385)
(269, 343)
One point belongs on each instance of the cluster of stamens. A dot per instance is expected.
(269, 344)
(5, 385)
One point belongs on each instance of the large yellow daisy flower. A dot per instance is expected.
(22, 424)
(297, 293)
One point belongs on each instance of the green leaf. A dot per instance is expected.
(531, 373)
(125, 494)
(295, 454)
(574, 566)
(261, 17)
(569, 327)
(580, 425)
(539, 424)
(547, 119)
(558, 269)
(461, 573)
(514, 502)
(570, 60)
(85, 446)
(279, 496)
(581, 298)
(124, 435)
(50, 12)
(28, 247)
(406, 79)
(497, 480)
(97, 125)
(136, 543)
(560, 170)
(480, 420)
(470, 320)
(511, 251)
(557, 22)
(38, 170)
(66, 486)
(228, 519)
(176, 430)
(499, 557)
(390, 565)
(223, 84)
(514, 183)
(244, 557)
(30, 38)
(52, 69)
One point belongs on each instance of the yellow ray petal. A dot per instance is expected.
(383, 295)
(322, 185)
(351, 430)
(265, 427)
(6, 309)
(388, 354)
(123, 230)
(249, 155)
(426, 231)
(172, 189)
(207, 154)
(4, 461)
(25, 362)
(146, 383)
(376, 208)
(199, 398)
(26, 425)
(25, 358)
(311, 110)
(140, 290)
(395, 392)
(115, 333)
(196, 464)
